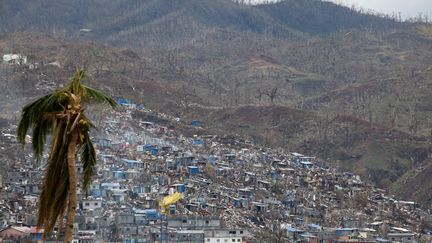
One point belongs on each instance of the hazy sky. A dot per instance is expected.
(408, 8)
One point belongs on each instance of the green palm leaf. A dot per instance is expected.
(98, 96)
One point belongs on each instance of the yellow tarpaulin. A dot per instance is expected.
(169, 200)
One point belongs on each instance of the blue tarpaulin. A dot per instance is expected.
(123, 101)
(294, 230)
(151, 214)
(197, 142)
(154, 151)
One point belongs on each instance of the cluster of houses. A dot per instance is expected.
(233, 191)
(17, 59)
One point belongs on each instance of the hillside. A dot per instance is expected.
(322, 17)
(134, 21)
(347, 85)
(117, 71)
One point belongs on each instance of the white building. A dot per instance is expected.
(225, 236)
(110, 186)
(17, 59)
(91, 204)
(222, 239)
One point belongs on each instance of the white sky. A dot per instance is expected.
(408, 8)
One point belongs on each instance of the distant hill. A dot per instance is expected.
(173, 20)
(322, 17)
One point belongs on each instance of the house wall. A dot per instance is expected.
(16, 177)
(225, 233)
(91, 204)
(222, 239)
(184, 237)
(403, 238)
(194, 223)
(140, 219)
(125, 219)
(129, 230)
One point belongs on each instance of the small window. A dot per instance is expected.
(207, 222)
(208, 240)
(241, 232)
(87, 204)
(233, 240)
(225, 240)
(184, 221)
(96, 204)
(238, 240)
(217, 240)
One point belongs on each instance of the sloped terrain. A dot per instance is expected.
(172, 20)
(306, 75)
(323, 17)
(393, 159)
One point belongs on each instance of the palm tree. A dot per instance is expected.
(61, 113)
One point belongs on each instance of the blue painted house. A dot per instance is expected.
(193, 170)
(180, 187)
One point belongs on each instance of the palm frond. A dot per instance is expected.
(33, 117)
(39, 133)
(88, 159)
(75, 85)
(55, 189)
(87, 93)
(98, 96)
(30, 115)
(85, 124)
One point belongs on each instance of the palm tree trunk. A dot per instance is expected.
(71, 159)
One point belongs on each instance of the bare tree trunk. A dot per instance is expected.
(71, 159)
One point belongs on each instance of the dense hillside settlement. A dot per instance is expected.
(232, 191)
(300, 121)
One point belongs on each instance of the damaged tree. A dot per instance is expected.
(61, 113)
